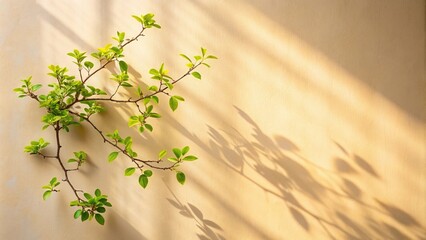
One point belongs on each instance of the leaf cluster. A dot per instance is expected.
(147, 20)
(51, 187)
(179, 156)
(92, 206)
(80, 158)
(27, 89)
(36, 146)
(108, 53)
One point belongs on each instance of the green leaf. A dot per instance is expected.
(88, 65)
(134, 120)
(101, 209)
(196, 75)
(120, 36)
(173, 103)
(169, 85)
(129, 171)
(203, 51)
(99, 219)
(126, 84)
(146, 100)
(155, 115)
(77, 214)
(156, 25)
(155, 99)
(92, 201)
(185, 150)
(137, 18)
(172, 159)
(80, 155)
(162, 71)
(162, 154)
(149, 127)
(148, 16)
(112, 156)
(71, 54)
(84, 216)
(179, 98)
(97, 192)
(190, 158)
(149, 108)
(148, 173)
(139, 91)
(87, 196)
(47, 194)
(154, 72)
(53, 180)
(212, 57)
(36, 87)
(128, 141)
(19, 90)
(177, 152)
(180, 176)
(143, 180)
(186, 57)
(153, 88)
(123, 66)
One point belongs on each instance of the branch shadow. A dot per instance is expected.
(210, 230)
(294, 179)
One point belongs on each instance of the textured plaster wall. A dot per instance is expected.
(310, 126)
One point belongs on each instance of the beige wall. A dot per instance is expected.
(310, 126)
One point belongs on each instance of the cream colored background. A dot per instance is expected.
(310, 126)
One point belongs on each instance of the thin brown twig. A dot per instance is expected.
(122, 150)
(58, 157)
(160, 90)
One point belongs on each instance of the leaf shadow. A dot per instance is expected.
(210, 230)
(293, 179)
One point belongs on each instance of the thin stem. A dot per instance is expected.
(89, 75)
(81, 76)
(134, 38)
(97, 70)
(160, 90)
(139, 109)
(58, 157)
(115, 92)
(45, 156)
(111, 60)
(34, 96)
(114, 144)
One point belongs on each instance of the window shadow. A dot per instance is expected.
(377, 49)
